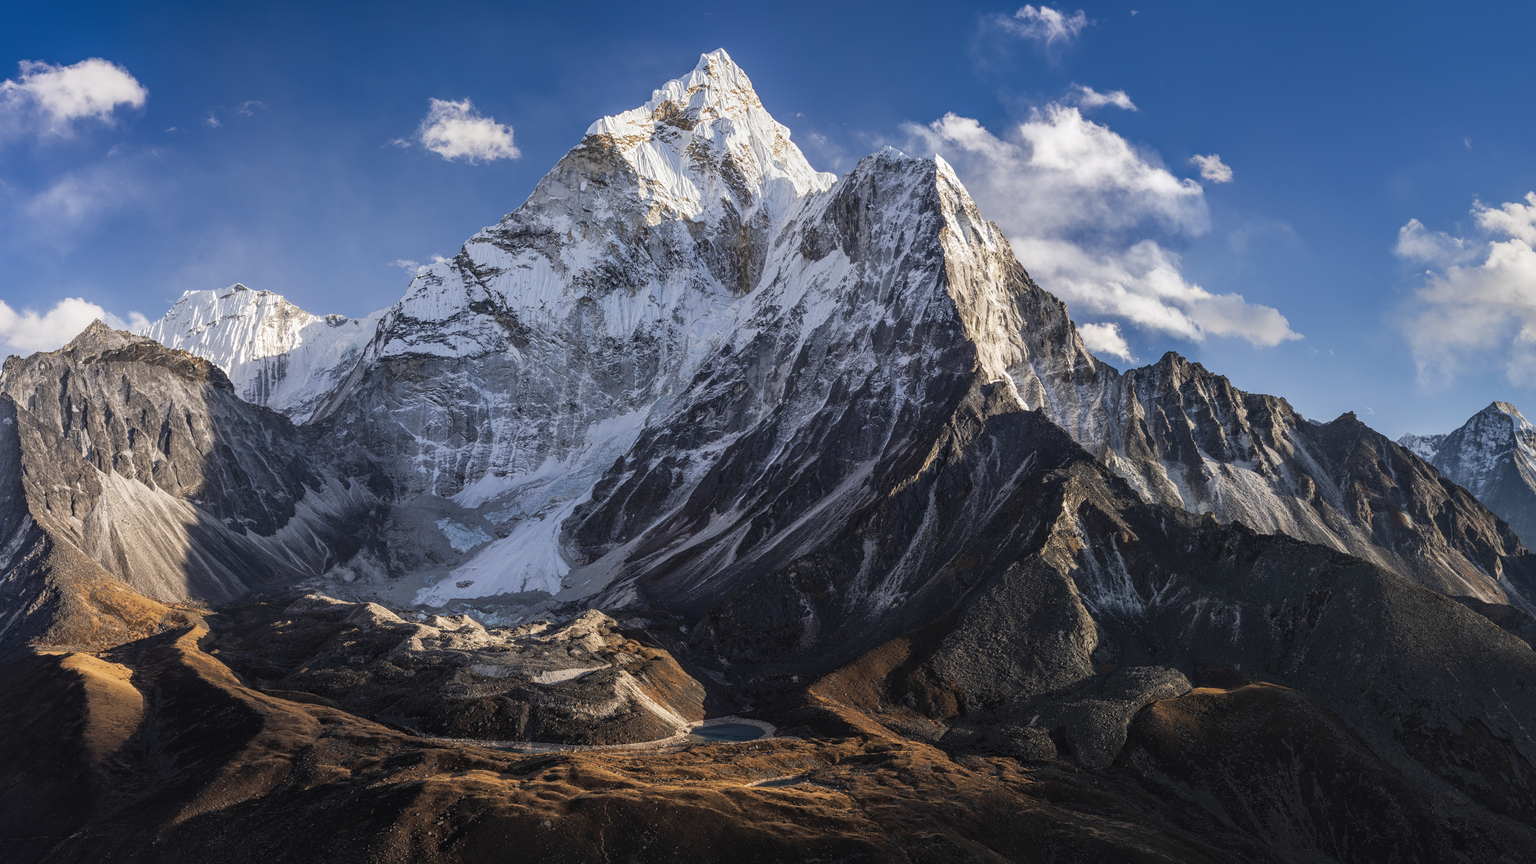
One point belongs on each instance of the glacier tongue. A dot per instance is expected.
(276, 354)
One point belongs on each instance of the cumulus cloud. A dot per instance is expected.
(1087, 97)
(1420, 245)
(1105, 339)
(1212, 168)
(1043, 24)
(53, 99)
(27, 331)
(454, 131)
(1088, 215)
(1478, 302)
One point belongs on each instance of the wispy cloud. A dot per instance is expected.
(1042, 24)
(248, 108)
(27, 331)
(1087, 97)
(52, 100)
(1477, 302)
(416, 268)
(455, 131)
(1085, 212)
(1212, 168)
(82, 196)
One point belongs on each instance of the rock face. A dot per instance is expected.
(1493, 456)
(1189, 438)
(138, 465)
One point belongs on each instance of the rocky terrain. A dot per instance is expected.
(698, 431)
(578, 683)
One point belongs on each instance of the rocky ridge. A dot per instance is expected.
(142, 467)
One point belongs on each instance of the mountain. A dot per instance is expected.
(1492, 455)
(135, 466)
(276, 354)
(698, 431)
(509, 379)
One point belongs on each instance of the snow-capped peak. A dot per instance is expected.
(1423, 446)
(706, 137)
(275, 353)
(1509, 411)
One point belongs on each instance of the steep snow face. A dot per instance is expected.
(705, 144)
(888, 309)
(1493, 455)
(511, 376)
(276, 354)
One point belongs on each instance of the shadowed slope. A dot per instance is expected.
(134, 472)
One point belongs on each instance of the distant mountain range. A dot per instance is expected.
(697, 431)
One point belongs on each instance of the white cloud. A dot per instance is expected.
(1087, 97)
(1481, 305)
(1064, 172)
(1212, 168)
(248, 107)
(1423, 246)
(56, 97)
(453, 130)
(1044, 24)
(1514, 219)
(212, 121)
(1143, 285)
(1105, 339)
(27, 331)
(1084, 211)
(416, 267)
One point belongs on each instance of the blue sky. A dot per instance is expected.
(1375, 223)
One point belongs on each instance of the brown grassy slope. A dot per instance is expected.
(217, 771)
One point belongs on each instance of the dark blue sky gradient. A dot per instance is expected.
(1341, 121)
